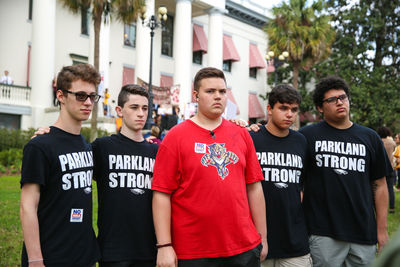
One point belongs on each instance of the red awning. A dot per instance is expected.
(229, 51)
(255, 108)
(255, 58)
(232, 98)
(128, 76)
(200, 42)
(166, 81)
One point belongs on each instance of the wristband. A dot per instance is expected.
(37, 260)
(163, 245)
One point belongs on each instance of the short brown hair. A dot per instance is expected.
(208, 72)
(70, 74)
(130, 89)
(155, 131)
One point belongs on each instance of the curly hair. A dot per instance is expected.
(70, 74)
(326, 84)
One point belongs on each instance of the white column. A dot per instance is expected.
(105, 52)
(43, 49)
(182, 52)
(91, 40)
(143, 45)
(215, 35)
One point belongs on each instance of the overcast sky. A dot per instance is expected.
(267, 3)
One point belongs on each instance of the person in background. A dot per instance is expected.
(386, 134)
(155, 134)
(54, 87)
(6, 78)
(106, 106)
(396, 159)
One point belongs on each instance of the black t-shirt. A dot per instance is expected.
(62, 164)
(124, 174)
(338, 197)
(282, 160)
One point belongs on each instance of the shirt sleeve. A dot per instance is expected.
(253, 168)
(166, 169)
(35, 165)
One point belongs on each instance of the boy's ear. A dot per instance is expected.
(60, 96)
(118, 109)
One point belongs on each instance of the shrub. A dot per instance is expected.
(10, 138)
(2, 169)
(11, 158)
(85, 131)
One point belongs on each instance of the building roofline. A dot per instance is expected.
(245, 14)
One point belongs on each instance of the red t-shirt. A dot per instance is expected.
(207, 180)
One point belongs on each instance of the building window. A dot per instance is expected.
(130, 35)
(85, 21)
(10, 121)
(78, 59)
(30, 9)
(227, 65)
(253, 72)
(198, 57)
(167, 37)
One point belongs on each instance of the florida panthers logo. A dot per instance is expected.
(219, 158)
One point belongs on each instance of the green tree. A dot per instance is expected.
(366, 55)
(124, 10)
(303, 31)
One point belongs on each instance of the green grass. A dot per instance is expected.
(10, 227)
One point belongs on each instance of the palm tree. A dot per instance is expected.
(302, 31)
(124, 10)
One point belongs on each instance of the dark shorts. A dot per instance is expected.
(250, 258)
(135, 263)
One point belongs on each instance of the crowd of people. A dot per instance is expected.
(209, 193)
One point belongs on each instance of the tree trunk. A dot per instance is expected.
(295, 82)
(97, 18)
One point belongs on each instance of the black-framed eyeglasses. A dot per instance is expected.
(82, 96)
(334, 99)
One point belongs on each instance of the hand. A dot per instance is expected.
(264, 251)
(150, 139)
(40, 131)
(383, 238)
(239, 122)
(254, 127)
(166, 257)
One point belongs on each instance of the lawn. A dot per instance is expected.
(10, 228)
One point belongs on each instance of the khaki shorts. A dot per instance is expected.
(302, 261)
(329, 252)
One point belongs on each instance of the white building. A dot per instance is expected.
(39, 37)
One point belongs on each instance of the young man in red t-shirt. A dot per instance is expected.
(208, 203)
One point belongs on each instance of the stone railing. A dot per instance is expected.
(15, 95)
